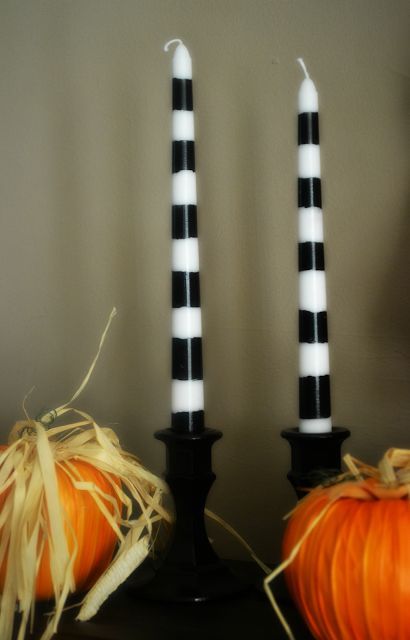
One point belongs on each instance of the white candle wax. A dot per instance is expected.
(187, 396)
(308, 98)
(186, 322)
(187, 379)
(181, 60)
(314, 370)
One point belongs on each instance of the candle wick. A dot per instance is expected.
(302, 64)
(166, 47)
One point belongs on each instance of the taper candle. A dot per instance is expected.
(314, 372)
(187, 375)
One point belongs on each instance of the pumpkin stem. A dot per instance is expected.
(47, 417)
(393, 470)
(23, 430)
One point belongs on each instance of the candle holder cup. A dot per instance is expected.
(315, 457)
(191, 571)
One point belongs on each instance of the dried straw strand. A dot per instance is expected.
(392, 472)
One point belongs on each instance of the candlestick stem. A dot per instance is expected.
(191, 570)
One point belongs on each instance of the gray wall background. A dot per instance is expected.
(85, 223)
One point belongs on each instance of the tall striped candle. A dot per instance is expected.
(314, 373)
(187, 376)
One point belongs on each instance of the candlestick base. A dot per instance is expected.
(191, 570)
(314, 457)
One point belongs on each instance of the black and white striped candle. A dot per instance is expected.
(314, 372)
(187, 375)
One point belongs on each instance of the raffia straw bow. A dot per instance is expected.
(391, 475)
(29, 494)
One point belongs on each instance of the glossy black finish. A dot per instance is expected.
(311, 256)
(313, 326)
(184, 221)
(187, 359)
(183, 155)
(191, 570)
(314, 397)
(309, 192)
(308, 128)
(185, 289)
(182, 94)
(314, 457)
(188, 421)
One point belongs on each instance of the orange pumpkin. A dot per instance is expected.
(95, 537)
(84, 523)
(350, 578)
(65, 492)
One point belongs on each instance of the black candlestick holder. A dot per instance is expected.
(191, 570)
(315, 457)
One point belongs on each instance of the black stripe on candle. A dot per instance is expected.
(313, 326)
(314, 397)
(187, 359)
(308, 128)
(185, 289)
(182, 94)
(184, 221)
(311, 256)
(188, 421)
(309, 192)
(183, 155)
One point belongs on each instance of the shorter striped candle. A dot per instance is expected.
(314, 372)
(187, 375)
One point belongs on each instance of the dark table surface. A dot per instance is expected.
(126, 615)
